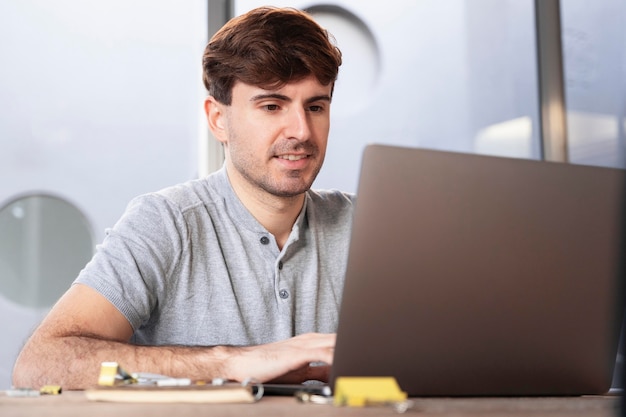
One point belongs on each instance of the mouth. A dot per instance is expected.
(292, 157)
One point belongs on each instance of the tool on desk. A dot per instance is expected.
(117, 385)
(22, 392)
(30, 392)
(50, 390)
(111, 373)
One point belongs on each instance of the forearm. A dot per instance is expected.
(74, 361)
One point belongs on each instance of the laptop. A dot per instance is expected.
(474, 275)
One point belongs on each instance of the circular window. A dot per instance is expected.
(44, 243)
(360, 69)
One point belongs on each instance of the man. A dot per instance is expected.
(236, 275)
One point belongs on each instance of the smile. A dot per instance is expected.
(292, 157)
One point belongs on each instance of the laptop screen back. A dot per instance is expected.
(477, 275)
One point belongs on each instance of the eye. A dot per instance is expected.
(271, 107)
(316, 109)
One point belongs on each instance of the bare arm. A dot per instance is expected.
(84, 329)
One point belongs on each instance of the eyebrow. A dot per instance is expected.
(282, 97)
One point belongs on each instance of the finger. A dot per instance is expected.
(317, 339)
(306, 373)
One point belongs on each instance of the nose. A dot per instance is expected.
(297, 125)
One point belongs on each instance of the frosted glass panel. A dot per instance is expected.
(101, 101)
(594, 54)
(455, 75)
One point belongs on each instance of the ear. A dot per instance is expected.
(215, 118)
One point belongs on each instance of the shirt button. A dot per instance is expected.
(280, 265)
(283, 294)
(265, 240)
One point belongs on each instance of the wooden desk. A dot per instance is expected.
(74, 404)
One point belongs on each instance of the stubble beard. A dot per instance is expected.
(289, 184)
(286, 184)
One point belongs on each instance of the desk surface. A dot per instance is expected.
(74, 403)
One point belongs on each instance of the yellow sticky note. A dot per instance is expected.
(361, 391)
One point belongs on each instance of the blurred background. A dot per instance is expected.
(102, 100)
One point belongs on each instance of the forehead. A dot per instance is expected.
(304, 88)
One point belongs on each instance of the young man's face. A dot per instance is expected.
(275, 140)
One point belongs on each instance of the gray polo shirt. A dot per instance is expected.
(189, 265)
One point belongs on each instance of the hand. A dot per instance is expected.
(306, 373)
(286, 361)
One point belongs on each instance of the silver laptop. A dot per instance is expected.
(473, 275)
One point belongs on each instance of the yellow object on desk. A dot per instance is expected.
(50, 390)
(362, 391)
(111, 373)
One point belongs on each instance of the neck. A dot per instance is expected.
(277, 214)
